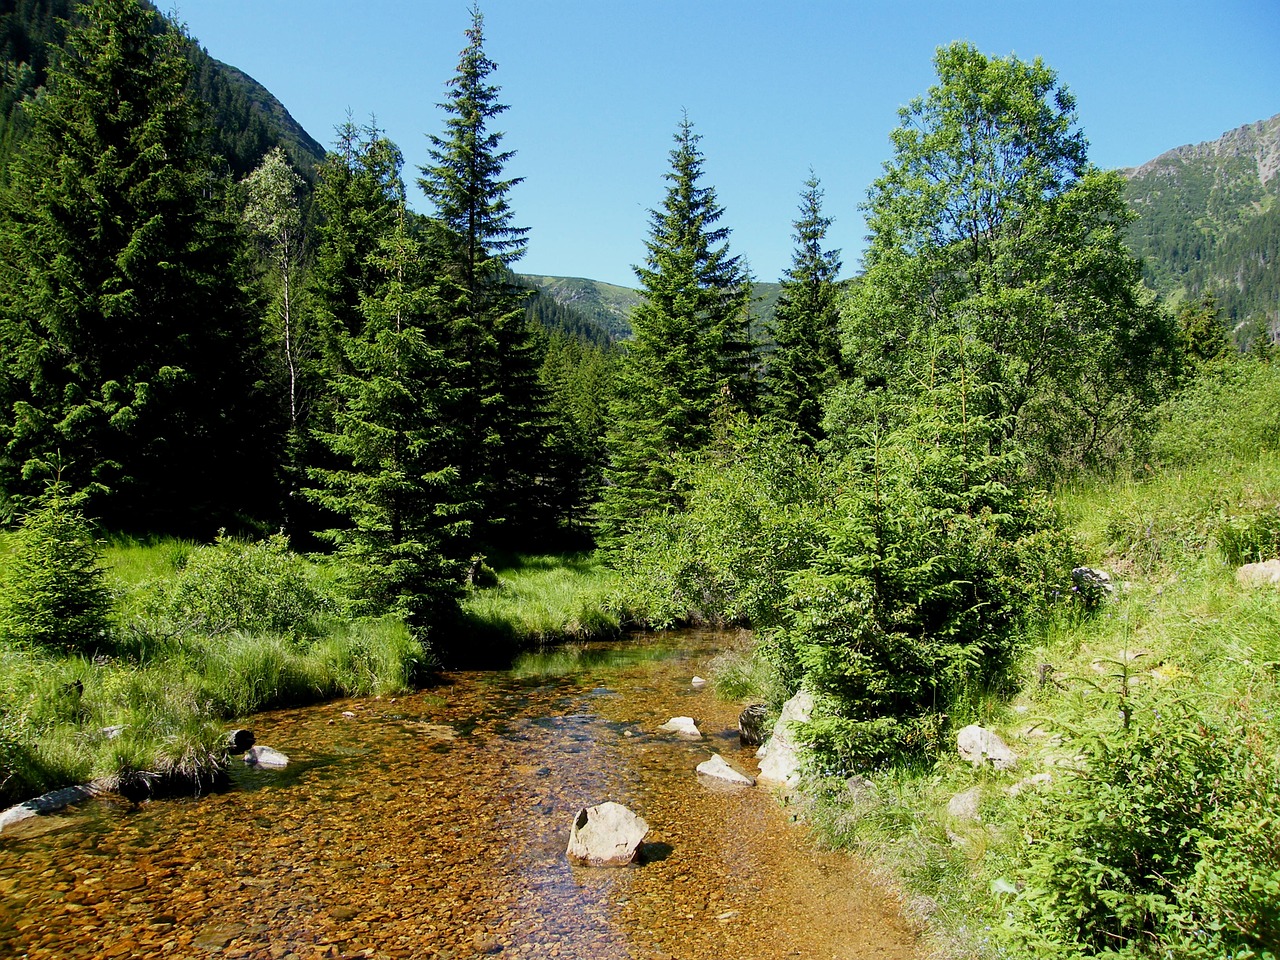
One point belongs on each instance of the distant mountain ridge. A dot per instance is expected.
(610, 305)
(1209, 223)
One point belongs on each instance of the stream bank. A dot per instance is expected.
(434, 825)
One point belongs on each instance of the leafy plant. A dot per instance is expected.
(232, 585)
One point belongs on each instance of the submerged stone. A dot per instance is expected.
(685, 727)
(717, 768)
(267, 758)
(606, 835)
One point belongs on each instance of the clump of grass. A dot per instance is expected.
(544, 600)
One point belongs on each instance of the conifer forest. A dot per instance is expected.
(255, 409)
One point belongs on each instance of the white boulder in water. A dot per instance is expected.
(606, 835)
(717, 768)
(685, 727)
(267, 758)
(781, 754)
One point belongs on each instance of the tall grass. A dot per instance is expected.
(540, 601)
(205, 635)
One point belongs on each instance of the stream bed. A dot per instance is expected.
(434, 825)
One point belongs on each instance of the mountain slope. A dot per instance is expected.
(610, 305)
(1209, 222)
(246, 120)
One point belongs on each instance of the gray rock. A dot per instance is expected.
(781, 763)
(1033, 782)
(751, 725)
(698, 683)
(717, 768)
(964, 805)
(684, 727)
(979, 745)
(606, 835)
(1091, 586)
(267, 758)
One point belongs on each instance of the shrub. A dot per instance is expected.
(236, 586)
(936, 560)
(750, 520)
(1162, 844)
(53, 593)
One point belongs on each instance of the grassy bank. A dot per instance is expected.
(197, 638)
(533, 601)
(1142, 817)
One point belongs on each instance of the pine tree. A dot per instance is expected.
(506, 414)
(134, 350)
(690, 351)
(395, 483)
(806, 362)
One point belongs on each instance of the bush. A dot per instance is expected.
(937, 558)
(1162, 844)
(236, 586)
(750, 520)
(53, 593)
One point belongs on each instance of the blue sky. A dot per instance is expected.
(597, 87)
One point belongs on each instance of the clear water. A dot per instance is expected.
(434, 826)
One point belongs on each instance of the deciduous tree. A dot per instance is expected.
(989, 222)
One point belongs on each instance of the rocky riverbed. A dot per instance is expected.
(434, 826)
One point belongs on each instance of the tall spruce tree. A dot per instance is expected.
(393, 436)
(805, 328)
(690, 352)
(506, 415)
(134, 348)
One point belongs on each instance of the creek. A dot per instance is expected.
(433, 825)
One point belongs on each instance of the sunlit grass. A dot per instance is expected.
(542, 600)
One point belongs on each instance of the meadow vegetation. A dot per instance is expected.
(1141, 818)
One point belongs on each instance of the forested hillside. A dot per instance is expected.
(1209, 224)
(245, 120)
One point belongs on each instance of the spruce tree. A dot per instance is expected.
(690, 351)
(393, 480)
(134, 349)
(505, 416)
(805, 328)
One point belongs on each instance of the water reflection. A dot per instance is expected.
(434, 825)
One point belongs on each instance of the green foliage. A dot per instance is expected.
(131, 347)
(690, 353)
(989, 223)
(52, 593)
(936, 559)
(394, 443)
(502, 412)
(805, 363)
(236, 586)
(1137, 853)
(540, 601)
(750, 519)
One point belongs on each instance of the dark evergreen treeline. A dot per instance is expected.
(245, 120)
(186, 351)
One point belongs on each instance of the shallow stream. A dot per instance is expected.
(434, 826)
